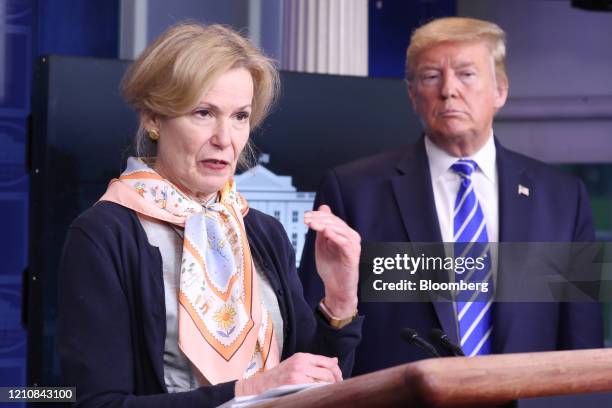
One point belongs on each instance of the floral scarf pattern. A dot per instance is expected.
(224, 328)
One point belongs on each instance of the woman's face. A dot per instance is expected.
(198, 151)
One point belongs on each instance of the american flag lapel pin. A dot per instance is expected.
(522, 190)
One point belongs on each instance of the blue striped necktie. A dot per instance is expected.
(470, 236)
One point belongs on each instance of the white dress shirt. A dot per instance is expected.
(445, 183)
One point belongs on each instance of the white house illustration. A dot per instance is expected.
(276, 196)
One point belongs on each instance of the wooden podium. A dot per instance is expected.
(466, 382)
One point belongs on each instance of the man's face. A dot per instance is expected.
(455, 92)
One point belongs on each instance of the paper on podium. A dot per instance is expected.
(283, 390)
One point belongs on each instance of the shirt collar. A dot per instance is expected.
(440, 161)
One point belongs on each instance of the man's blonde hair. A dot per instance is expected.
(172, 73)
(458, 29)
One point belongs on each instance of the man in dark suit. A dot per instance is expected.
(458, 184)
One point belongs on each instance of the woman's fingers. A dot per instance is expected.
(324, 208)
(323, 216)
(318, 221)
(300, 368)
(332, 366)
(329, 229)
(322, 368)
(320, 374)
(320, 226)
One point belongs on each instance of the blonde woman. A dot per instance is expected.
(173, 291)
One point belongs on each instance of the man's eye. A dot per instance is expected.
(428, 78)
(467, 74)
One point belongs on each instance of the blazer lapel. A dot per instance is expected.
(414, 196)
(516, 191)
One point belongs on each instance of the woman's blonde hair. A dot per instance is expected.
(169, 77)
(458, 29)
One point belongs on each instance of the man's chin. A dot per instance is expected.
(457, 142)
(452, 134)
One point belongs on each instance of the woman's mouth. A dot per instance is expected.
(214, 164)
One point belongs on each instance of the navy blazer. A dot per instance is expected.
(112, 319)
(389, 197)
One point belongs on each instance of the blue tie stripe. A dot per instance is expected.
(470, 236)
(478, 344)
(485, 345)
(474, 250)
(470, 310)
(468, 219)
(474, 316)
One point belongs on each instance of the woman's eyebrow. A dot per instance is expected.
(215, 108)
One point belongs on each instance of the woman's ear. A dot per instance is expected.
(150, 122)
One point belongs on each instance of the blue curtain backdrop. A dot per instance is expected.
(29, 29)
(390, 24)
(15, 68)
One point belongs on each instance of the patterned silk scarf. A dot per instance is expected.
(224, 328)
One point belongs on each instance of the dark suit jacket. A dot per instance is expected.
(389, 197)
(112, 318)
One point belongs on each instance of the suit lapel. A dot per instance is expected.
(516, 195)
(414, 196)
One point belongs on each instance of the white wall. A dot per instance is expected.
(560, 69)
(553, 48)
(163, 13)
(143, 20)
(325, 36)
